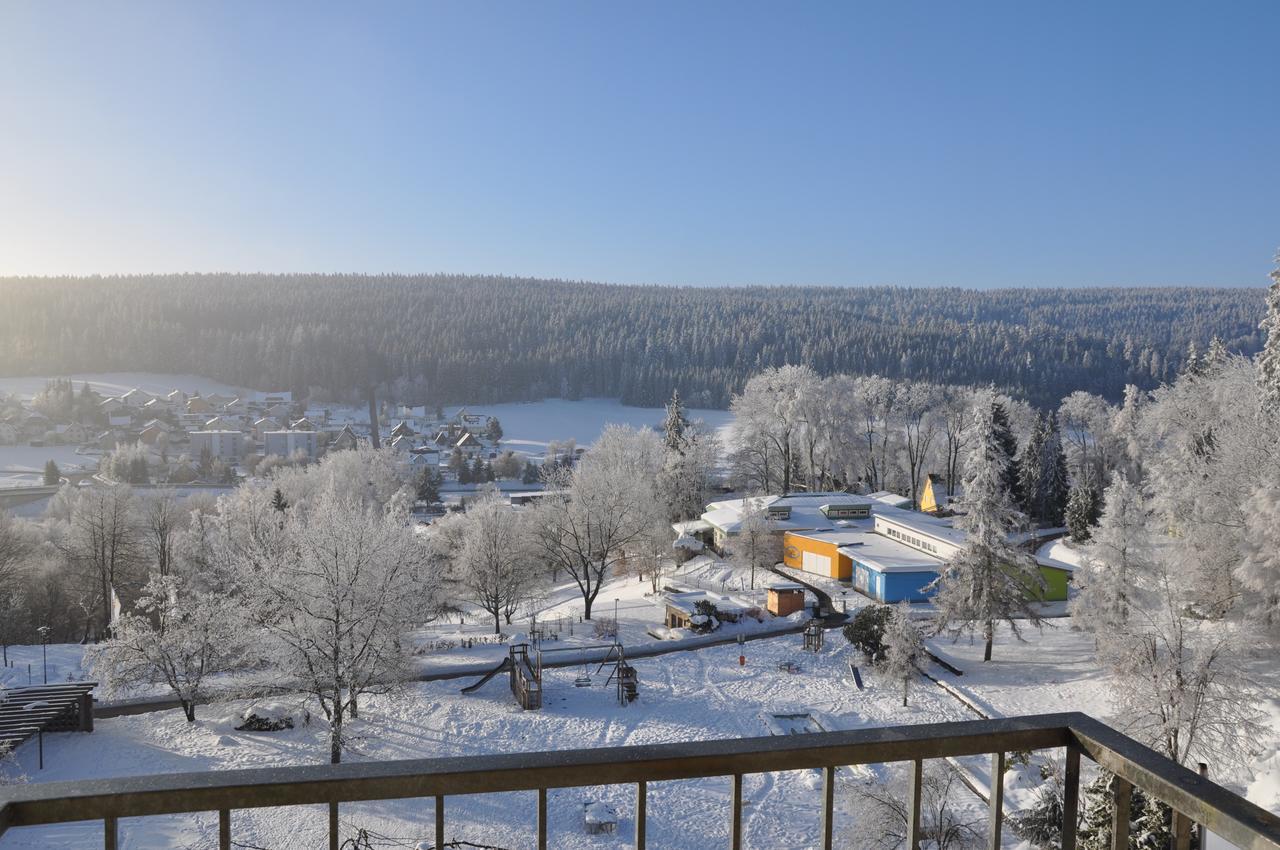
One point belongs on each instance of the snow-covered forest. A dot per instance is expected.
(453, 339)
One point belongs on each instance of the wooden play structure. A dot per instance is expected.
(526, 680)
(525, 663)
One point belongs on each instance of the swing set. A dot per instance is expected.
(621, 674)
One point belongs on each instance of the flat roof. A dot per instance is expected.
(889, 556)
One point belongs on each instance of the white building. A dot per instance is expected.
(286, 443)
(221, 445)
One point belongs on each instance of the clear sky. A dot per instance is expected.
(973, 144)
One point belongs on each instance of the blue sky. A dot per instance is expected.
(969, 144)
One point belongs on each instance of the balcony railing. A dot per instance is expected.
(1193, 798)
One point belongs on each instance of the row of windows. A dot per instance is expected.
(912, 540)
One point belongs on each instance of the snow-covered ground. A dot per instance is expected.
(686, 696)
(529, 427)
(24, 460)
(689, 695)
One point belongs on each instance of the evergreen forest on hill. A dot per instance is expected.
(476, 339)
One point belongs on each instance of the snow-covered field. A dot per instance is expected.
(529, 427)
(22, 461)
(689, 695)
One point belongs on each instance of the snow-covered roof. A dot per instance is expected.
(687, 602)
(786, 585)
(793, 512)
(888, 556)
(893, 500)
(693, 526)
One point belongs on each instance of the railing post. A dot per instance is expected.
(913, 804)
(1071, 799)
(1122, 796)
(542, 819)
(642, 813)
(996, 819)
(828, 806)
(333, 826)
(1181, 831)
(439, 820)
(735, 813)
(110, 834)
(224, 829)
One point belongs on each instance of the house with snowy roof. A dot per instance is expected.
(683, 610)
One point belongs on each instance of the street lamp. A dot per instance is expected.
(44, 650)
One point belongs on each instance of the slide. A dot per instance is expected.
(505, 665)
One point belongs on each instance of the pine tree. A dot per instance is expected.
(52, 475)
(532, 473)
(429, 486)
(1150, 821)
(494, 430)
(1055, 484)
(675, 425)
(1083, 510)
(1030, 468)
(1008, 444)
(1269, 358)
(990, 580)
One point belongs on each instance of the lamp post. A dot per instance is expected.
(44, 650)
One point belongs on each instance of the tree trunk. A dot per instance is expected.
(189, 709)
(989, 634)
(586, 608)
(335, 732)
(497, 623)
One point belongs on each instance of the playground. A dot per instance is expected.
(692, 695)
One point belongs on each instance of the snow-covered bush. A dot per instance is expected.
(269, 717)
(866, 632)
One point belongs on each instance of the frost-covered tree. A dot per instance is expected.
(1083, 510)
(161, 519)
(921, 423)
(956, 412)
(769, 419)
(604, 504)
(880, 811)
(487, 550)
(757, 545)
(1149, 819)
(688, 470)
(333, 591)
(102, 545)
(1269, 358)
(675, 424)
(1126, 431)
(1085, 420)
(1177, 680)
(1259, 570)
(1119, 552)
(903, 647)
(17, 542)
(179, 636)
(990, 580)
(52, 475)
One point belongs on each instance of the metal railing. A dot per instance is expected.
(1192, 797)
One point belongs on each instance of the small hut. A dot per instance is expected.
(785, 598)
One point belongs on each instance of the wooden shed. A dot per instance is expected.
(785, 598)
